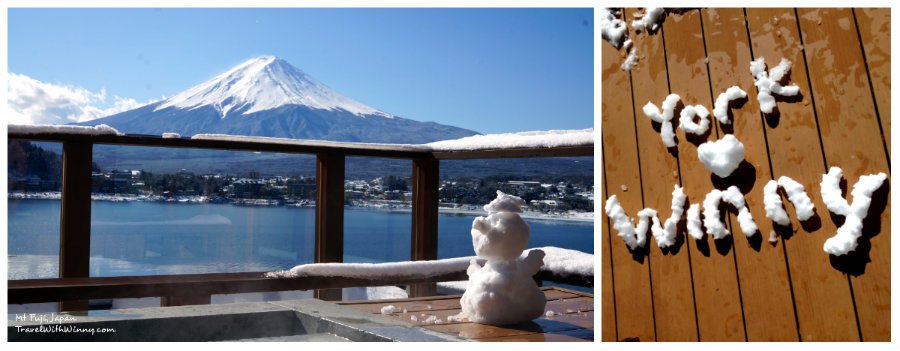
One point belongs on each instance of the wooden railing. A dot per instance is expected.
(74, 285)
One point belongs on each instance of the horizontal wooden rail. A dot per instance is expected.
(68, 289)
(401, 151)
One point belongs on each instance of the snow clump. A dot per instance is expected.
(693, 222)
(768, 83)
(388, 309)
(848, 234)
(634, 237)
(796, 195)
(723, 156)
(612, 29)
(650, 20)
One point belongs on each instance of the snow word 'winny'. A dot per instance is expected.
(843, 242)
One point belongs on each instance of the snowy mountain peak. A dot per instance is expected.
(264, 83)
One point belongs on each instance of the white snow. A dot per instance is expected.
(501, 290)
(768, 83)
(830, 187)
(505, 203)
(534, 139)
(665, 235)
(733, 196)
(171, 135)
(848, 234)
(712, 217)
(720, 109)
(667, 130)
(773, 204)
(306, 142)
(693, 222)
(566, 262)
(388, 309)
(101, 129)
(624, 225)
(612, 29)
(796, 195)
(264, 83)
(650, 20)
(722, 156)
(409, 269)
(687, 119)
(711, 220)
(631, 60)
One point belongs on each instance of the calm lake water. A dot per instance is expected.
(143, 238)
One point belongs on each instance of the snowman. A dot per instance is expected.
(503, 291)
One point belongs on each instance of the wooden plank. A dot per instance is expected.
(276, 145)
(850, 134)
(184, 300)
(673, 296)
(329, 214)
(75, 216)
(607, 293)
(424, 244)
(51, 290)
(634, 304)
(874, 27)
(795, 152)
(765, 288)
(718, 307)
(575, 335)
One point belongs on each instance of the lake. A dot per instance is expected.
(144, 238)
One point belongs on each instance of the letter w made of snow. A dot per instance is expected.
(636, 237)
(847, 235)
(667, 130)
(712, 218)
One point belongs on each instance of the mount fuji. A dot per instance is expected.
(267, 96)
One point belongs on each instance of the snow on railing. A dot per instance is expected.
(559, 261)
(532, 139)
(101, 129)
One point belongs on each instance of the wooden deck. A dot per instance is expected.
(573, 318)
(739, 288)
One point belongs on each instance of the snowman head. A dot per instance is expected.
(505, 203)
(502, 235)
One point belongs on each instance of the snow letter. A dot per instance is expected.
(768, 84)
(667, 131)
(687, 119)
(847, 235)
(720, 109)
(796, 195)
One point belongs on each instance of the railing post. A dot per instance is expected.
(75, 216)
(329, 215)
(425, 184)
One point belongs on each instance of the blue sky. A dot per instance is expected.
(490, 70)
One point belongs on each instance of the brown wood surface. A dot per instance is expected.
(752, 289)
(673, 296)
(75, 216)
(850, 133)
(795, 151)
(712, 261)
(633, 294)
(764, 284)
(874, 27)
(572, 320)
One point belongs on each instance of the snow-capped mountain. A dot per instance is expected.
(266, 96)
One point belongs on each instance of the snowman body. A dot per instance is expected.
(502, 291)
